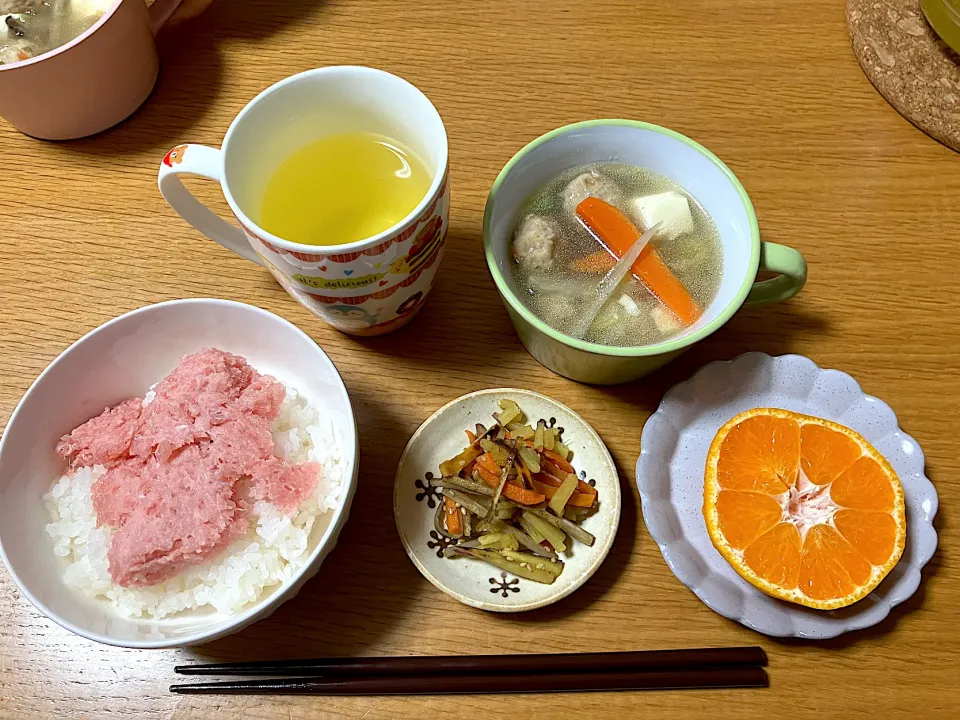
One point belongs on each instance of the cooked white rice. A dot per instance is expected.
(274, 549)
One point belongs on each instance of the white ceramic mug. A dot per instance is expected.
(370, 287)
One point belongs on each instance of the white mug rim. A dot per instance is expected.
(409, 220)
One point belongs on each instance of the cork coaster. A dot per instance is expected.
(908, 63)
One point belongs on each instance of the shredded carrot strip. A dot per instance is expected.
(453, 517)
(557, 460)
(488, 477)
(547, 479)
(578, 499)
(489, 464)
(556, 475)
(511, 491)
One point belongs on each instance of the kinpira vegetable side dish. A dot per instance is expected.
(513, 499)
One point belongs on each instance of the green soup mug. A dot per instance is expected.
(677, 157)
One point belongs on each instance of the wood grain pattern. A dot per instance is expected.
(772, 87)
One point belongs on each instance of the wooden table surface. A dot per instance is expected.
(772, 87)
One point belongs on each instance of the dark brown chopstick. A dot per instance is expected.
(607, 662)
(734, 677)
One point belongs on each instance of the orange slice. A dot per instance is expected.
(803, 508)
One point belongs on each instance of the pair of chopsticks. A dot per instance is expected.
(736, 667)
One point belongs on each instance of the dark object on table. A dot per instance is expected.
(573, 672)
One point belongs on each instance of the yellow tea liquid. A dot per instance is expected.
(343, 188)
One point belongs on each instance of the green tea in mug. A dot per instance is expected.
(343, 188)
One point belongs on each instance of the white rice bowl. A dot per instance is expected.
(275, 548)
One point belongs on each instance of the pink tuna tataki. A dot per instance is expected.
(181, 469)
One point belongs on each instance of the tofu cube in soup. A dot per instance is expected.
(669, 208)
(533, 245)
(590, 184)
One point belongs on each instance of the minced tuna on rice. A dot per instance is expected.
(273, 548)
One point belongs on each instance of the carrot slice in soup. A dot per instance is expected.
(618, 234)
(600, 261)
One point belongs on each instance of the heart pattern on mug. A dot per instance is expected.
(348, 273)
(323, 268)
(383, 282)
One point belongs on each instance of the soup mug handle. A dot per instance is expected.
(205, 162)
(790, 268)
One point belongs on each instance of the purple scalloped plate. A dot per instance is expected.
(670, 478)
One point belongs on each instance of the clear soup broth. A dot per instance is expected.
(32, 27)
(559, 263)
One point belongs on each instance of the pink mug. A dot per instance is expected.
(92, 82)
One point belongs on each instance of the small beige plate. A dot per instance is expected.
(473, 582)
